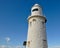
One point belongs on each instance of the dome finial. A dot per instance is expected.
(36, 4)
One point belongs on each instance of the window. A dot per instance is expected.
(28, 43)
(30, 23)
(44, 43)
(35, 9)
(43, 23)
(34, 19)
(44, 40)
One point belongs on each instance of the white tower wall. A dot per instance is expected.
(36, 30)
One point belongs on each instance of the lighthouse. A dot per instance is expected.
(36, 37)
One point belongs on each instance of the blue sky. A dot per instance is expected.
(13, 20)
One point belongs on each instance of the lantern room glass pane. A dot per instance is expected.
(35, 9)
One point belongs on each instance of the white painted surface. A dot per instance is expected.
(39, 12)
(36, 32)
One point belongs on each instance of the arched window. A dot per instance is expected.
(34, 19)
(42, 24)
(30, 23)
(44, 43)
(28, 43)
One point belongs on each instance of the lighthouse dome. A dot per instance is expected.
(36, 10)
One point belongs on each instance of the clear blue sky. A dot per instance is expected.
(13, 20)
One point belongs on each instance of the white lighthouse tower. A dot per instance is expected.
(36, 28)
